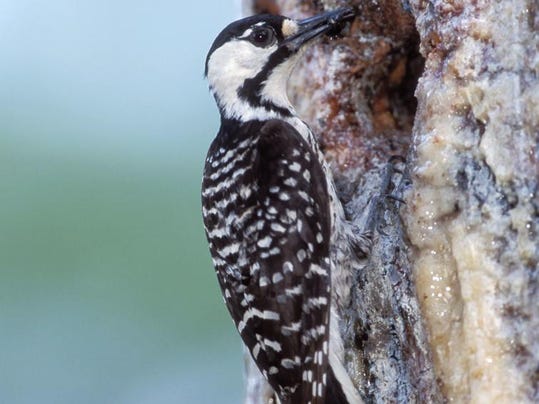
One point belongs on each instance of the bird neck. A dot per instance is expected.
(232, 128)
(242, 110)
(260, 97)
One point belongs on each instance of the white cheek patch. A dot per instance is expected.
(233, 63)
(276, 84)
(290, 27)
(228, 68)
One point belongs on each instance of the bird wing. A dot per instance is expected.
(277, 285)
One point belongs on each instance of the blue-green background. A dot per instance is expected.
(107, 294)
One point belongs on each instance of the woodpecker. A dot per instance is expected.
(271, 212)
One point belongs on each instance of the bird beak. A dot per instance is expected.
(313, 27)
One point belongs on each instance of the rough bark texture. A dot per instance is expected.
(472, 213)
(447, 308)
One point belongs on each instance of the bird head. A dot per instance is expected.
(250, 61)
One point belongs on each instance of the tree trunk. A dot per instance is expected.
(447, 308)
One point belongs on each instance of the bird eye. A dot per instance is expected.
(262, 37)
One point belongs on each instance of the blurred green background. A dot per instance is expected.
(107, 294)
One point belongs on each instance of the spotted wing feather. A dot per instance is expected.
(268, 228)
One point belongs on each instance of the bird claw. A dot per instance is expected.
(362, 242)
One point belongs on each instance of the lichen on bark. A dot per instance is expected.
(447, 309)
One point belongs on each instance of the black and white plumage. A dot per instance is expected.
(270, 211)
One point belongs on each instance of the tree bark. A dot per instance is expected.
(447, 309)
